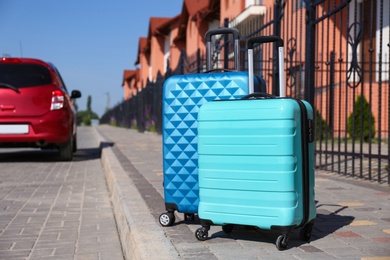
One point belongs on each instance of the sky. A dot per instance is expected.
(91, 42)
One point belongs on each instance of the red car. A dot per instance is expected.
(35, 107)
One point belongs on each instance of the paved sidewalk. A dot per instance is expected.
(353, 217)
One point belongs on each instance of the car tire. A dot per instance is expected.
(74, 148)
(66, 150)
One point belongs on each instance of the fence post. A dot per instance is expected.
(331, 90)
(198, 61)
(310, 50)
(181, 61)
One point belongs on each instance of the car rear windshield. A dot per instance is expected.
(24, 75)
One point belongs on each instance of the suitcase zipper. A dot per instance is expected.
(307, 137)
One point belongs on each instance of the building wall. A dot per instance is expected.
(144, 70)
(174, 49)
(126, 90)
(194, 37)
(231, 9)
(156, 56)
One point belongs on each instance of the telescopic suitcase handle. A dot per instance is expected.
(279, 45)
(223, 30)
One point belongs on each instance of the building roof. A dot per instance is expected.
(166, 28)
(128, 75)
(190, 11)
(155, 23)
(194, 6)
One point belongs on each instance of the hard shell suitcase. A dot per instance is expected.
(256, 163)
(182, 97)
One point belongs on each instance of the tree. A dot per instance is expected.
(89, 102)
(86, 116)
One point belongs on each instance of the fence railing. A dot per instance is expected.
(330, 61)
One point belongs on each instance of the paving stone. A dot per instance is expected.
(382, 240)
(310, 249)
(358, 223)
(22, 245)
(346, 234)
(5, 245)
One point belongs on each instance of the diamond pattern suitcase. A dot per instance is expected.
(182, 97)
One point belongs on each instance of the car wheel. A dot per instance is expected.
(66, 150)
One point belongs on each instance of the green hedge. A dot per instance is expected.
(361, 122)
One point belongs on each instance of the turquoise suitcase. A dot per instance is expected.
(256, 165)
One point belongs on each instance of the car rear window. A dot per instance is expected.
(24, 75)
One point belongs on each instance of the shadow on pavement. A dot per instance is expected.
(50, 155)
(87, 154)
(326, 223)
(29, 155)
(106, 144)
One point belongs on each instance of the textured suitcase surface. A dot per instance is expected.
(182, 97)
(251, 164)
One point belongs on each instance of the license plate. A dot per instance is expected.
(14, 129)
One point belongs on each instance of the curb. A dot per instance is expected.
(140, 235)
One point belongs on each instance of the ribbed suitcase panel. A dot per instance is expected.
(250, 162)
(271, 174)
(250, 208)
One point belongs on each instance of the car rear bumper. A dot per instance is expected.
(42, 131)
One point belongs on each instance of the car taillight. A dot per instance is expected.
(9, 60)
(57, 100)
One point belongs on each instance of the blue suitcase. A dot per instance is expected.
(256, 163)
(182, 97)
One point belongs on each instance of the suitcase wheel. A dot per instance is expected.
(227, 228)
(201, 234)
(305, 232)
(167, 219)
(281, 242)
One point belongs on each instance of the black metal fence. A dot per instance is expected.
(142, 111)
(336, 56)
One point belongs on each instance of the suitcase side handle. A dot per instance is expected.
(223, 30)
(219, 70)
(258, 95)
(279, 44)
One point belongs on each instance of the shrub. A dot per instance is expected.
(85, 115)
(361, 122)
(86, 120)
